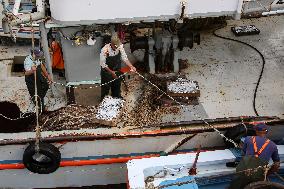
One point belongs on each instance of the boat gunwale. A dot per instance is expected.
(165, 129)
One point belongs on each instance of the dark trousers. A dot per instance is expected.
(42, 87)
(114, 86)
(243, 178)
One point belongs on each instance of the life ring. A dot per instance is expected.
(237, 132)
(46, 161)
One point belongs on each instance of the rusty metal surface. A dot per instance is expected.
(167, 129)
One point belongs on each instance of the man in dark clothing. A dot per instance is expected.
(31, 66)
(257, 152)
(110, 60)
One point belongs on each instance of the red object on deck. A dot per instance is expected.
(125, 69)
(193, 170)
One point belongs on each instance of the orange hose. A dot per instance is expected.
(82, 162)
(12, 166)
(103, 161)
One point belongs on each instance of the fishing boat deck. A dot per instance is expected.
(226, 71)
(210, 165)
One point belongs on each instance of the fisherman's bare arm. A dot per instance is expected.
(125, 59)
(45, 73)
(30, 72)
(111, 72)
(276, 161)
(132, 68)
(276, 165)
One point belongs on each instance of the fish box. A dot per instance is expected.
(183, 88)
(109, 111)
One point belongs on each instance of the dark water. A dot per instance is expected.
(11, 110)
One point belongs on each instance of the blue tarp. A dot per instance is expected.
(187, 182)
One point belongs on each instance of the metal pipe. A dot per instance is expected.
(216, 121)
(1, 10)
(89, 137)
(40, 5)
(44, 43)
(273, 12)
(21, 19)
(4, 4)
(5, 24)
(272, 7)
(239, 10)
(70, 138)
(16, 7)
(176, 145)
(48, 62)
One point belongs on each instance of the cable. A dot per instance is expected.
(6, 59)
(262, 69)
(11, 119)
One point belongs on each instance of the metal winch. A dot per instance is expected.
(162, 48)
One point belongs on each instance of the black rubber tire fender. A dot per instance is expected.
(51, 154)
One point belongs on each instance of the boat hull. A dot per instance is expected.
(101, 160)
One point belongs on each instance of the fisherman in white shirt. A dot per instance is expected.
(43, 78)
(110, 60)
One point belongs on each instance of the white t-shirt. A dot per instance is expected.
(108, 51)
(28, 63)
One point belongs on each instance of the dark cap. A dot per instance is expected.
(37, 52)
(261, 127)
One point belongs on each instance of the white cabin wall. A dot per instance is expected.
(98, 11)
